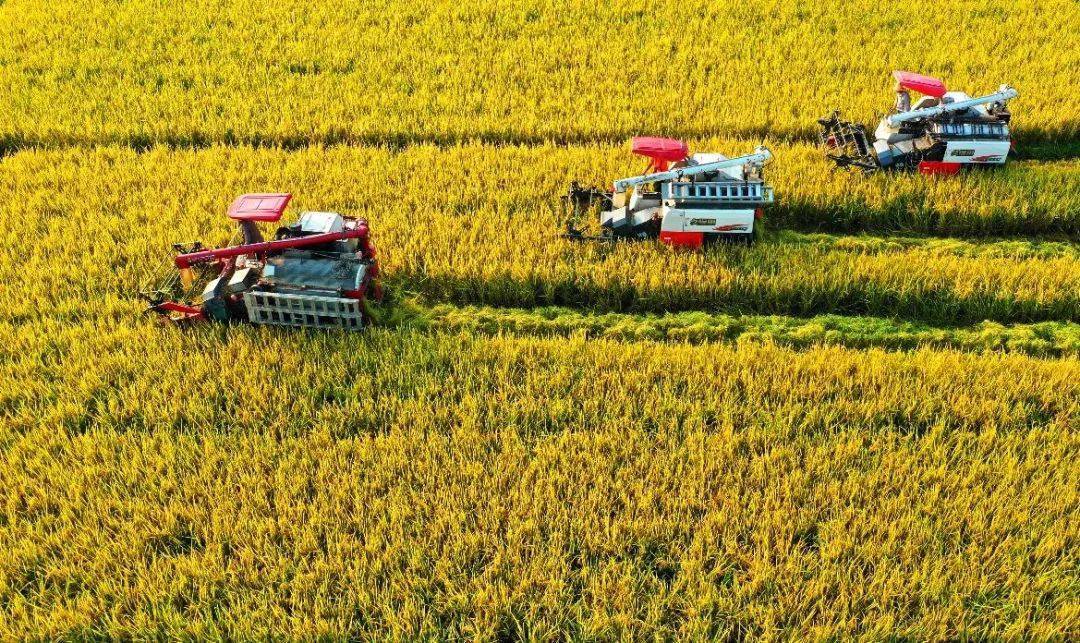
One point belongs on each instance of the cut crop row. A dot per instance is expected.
(1048, 339)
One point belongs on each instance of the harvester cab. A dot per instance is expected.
(317, 272)
(941, 133)
(685, 200)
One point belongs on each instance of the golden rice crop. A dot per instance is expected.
(475, 224)
(244, 482)
(755, 465)
(239, 482)
(292, 72)
(1023, 199)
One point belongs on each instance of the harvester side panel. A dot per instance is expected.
(307, 311)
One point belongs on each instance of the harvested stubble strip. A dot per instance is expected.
(1047, 339)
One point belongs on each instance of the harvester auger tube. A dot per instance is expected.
(684, 200)
(941, 133)
(316, 273)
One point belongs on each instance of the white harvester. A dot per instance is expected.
(683, 199)
(941, 133)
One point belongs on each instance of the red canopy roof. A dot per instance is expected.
(259, 207)
(918, 82)
(659, 149)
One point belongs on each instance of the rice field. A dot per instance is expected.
(453, 228)
(439, 488)
(864, 426)
(290, 73)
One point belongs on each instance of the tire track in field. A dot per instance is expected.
(1045, 340)
(939, 282)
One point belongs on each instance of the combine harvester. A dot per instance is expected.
(684, 200)
(943, 132)
(316, 273)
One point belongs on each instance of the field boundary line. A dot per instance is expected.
(1038, 149)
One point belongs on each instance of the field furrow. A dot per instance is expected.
(1047, 339)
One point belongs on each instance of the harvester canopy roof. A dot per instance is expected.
(259, 207)
(659, 149)
(922, 84)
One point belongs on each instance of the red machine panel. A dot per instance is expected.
(259, 207)
(922, 84)
(682, 239)
(932, 168)
(661, 150)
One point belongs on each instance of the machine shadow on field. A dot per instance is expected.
(1038, 144)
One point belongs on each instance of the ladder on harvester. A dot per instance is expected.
(736, 192)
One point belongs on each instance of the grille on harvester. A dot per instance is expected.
(303, 310)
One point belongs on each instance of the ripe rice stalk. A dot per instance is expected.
(198, 71)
